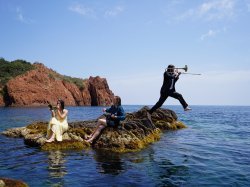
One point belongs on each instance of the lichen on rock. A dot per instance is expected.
(137, 131)
(7, 182)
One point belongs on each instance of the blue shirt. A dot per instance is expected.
(117, 111)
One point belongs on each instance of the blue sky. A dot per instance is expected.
(130, 43)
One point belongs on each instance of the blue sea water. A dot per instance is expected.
(213, 151)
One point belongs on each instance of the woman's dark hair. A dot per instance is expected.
(171, 68)
(118, 99)
(61, 103)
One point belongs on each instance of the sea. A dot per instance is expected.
(214, 150)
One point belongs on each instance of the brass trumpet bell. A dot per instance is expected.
(185, 68)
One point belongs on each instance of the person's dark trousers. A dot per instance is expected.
(178, 96)
(163, 98)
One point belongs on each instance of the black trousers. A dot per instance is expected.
(163, 98)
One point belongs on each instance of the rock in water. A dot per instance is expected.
(136, 131)
(6, 182)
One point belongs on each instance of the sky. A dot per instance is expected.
(131, 42)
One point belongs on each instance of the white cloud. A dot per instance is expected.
(21, 18)
(218, 9)
(212, 10)
(82, 10)
(115, 11)
(211, 33)
(89, 12)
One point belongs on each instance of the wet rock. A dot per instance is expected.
(137, 131)
(6, 182)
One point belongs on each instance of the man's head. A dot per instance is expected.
(117, 101)
(171, 68)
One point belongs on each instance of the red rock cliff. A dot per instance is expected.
(42, 85)
(99, 91)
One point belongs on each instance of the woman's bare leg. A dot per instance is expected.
(100, 127)
(52, 138)
(99, 122)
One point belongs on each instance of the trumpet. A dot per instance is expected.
(185, 68)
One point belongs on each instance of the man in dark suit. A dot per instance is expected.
(168, 89)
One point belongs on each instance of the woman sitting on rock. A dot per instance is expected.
(58, 123)
(115, 114)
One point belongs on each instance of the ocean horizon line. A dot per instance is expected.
(142, 105)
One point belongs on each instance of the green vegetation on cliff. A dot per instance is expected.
(9, 70)
(77, 81)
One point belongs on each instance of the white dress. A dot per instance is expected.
(58, 126)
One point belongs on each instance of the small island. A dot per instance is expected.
(137, 131)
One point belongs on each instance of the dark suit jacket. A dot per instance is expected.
(169, 82)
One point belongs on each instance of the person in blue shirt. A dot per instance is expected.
(114, 115)
(168, 89)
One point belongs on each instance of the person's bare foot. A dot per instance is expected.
(50, 140)
(187, 108)
(89, 141)
(86, 137)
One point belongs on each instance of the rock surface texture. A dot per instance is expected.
(6, 182)
(137, 131)
(42, 85)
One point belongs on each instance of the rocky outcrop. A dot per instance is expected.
(6, 182)
(99, 91)
(41, 85)
(137, 131)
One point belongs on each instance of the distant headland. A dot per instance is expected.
(25, 84)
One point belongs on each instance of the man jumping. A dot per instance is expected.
(168, 89)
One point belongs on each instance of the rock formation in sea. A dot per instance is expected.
(41, 85)
(137, 131)
(6, 182)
